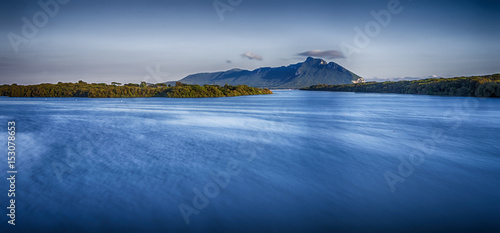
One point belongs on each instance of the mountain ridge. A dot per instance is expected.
(303, 74)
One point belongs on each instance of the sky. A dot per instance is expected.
(50, 41)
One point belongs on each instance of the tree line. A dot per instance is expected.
(475, 86)
(116, 90)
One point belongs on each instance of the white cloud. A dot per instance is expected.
(329, 54)
(251, 56)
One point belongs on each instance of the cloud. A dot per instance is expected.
(251, 56)
(395, 79)
(435, 76)
(329, 54)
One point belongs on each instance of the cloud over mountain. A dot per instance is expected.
(328, 54)
(251, 56)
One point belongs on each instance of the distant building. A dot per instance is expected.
(360, 80)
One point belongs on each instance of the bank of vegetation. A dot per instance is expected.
(475, 86)
(116, 90)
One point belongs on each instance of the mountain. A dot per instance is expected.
(310, 72)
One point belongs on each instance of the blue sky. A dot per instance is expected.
(157, 41)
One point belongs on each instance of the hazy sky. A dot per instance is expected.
(157, 41)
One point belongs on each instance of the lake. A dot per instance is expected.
(293, 161)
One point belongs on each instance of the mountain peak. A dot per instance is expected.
(312, 71)
(315, 61)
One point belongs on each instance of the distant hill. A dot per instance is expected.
(310, 72)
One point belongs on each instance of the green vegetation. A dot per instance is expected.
(476, 86)
(102, 90)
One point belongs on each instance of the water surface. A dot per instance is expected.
(299, 161)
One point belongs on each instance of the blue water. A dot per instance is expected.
(294, 161)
